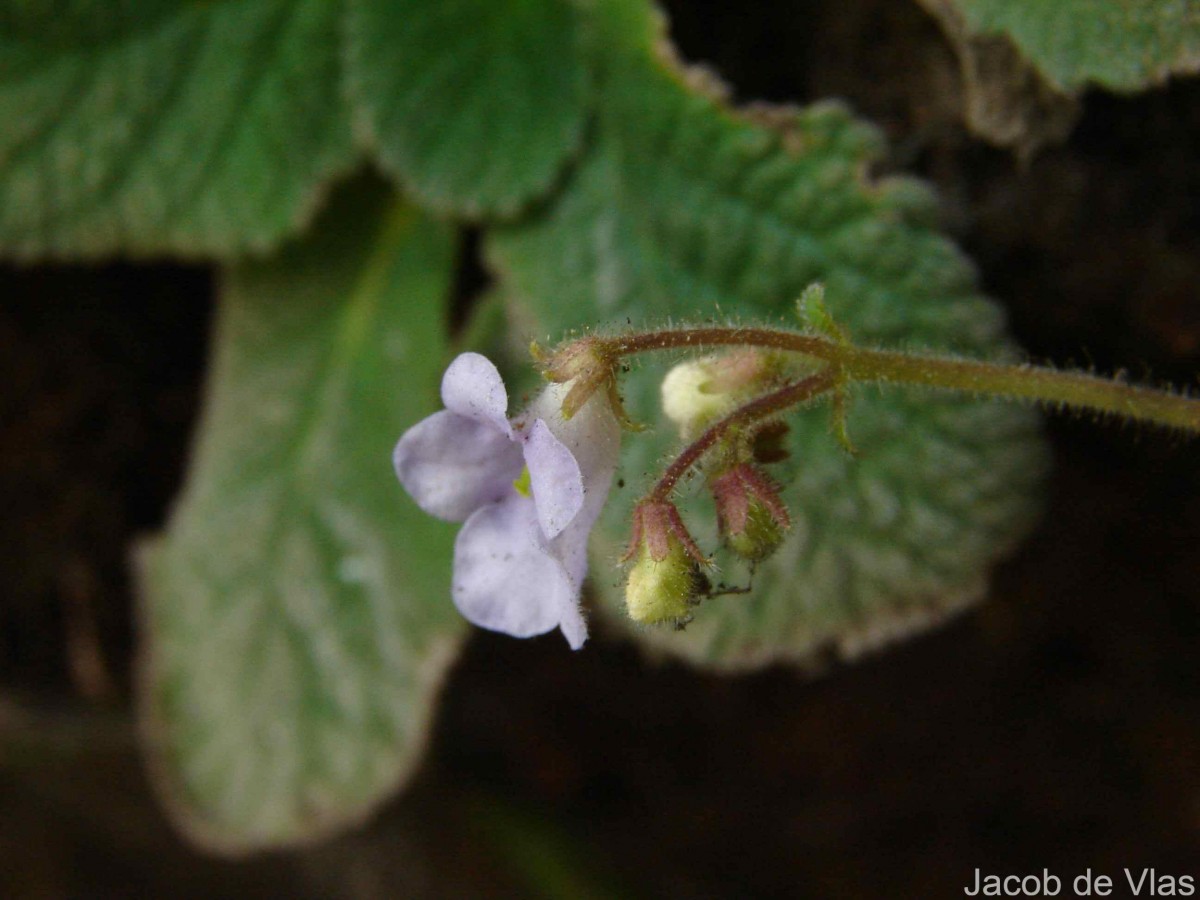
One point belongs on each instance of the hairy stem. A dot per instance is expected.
(718, 336)
(786, 397)
(1074, 390)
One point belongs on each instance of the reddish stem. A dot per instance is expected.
(778, 400)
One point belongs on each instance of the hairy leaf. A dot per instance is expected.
(474, 104)
(165, 126)
(1124, 45)
(684, 208)
(297, 610)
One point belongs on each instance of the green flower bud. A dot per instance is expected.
(662, 590)
(760, 535)
(752, 517)
(664, 581)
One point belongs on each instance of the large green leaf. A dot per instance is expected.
(297, 610)
(1124, 45)
(475, 104)
(152, 126)
(685, 208)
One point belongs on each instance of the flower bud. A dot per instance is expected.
(698, 392)
(664, 581)
(751, 515)
(687, 399)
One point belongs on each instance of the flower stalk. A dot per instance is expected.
(768, 405)
(1039, 384)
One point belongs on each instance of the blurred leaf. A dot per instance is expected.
(686, 208)
(298, 614)
(165, 126)
(1006, 100)
(475, 104)
(1123, 45)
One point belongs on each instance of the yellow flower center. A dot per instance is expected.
(522, 483)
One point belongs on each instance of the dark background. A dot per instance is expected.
(1057, 725)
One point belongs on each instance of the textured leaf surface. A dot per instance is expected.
(682, 205)
(152, 126)
(1118, 44)
(298, 618)
(475, 104)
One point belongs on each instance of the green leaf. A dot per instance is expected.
(166, 126)
(1124, 45)
(475, 105)
(297, 611)
(686, 209)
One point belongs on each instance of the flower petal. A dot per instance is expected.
(452, 465)
(554, 477)
(472, 387)
(572, 623)
(504, 579)
(593, 436)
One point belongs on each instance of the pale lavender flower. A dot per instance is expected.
(521, 556)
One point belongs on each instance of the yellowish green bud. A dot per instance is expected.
(664, 581)
(662, 590)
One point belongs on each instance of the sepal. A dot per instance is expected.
(751, 515)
